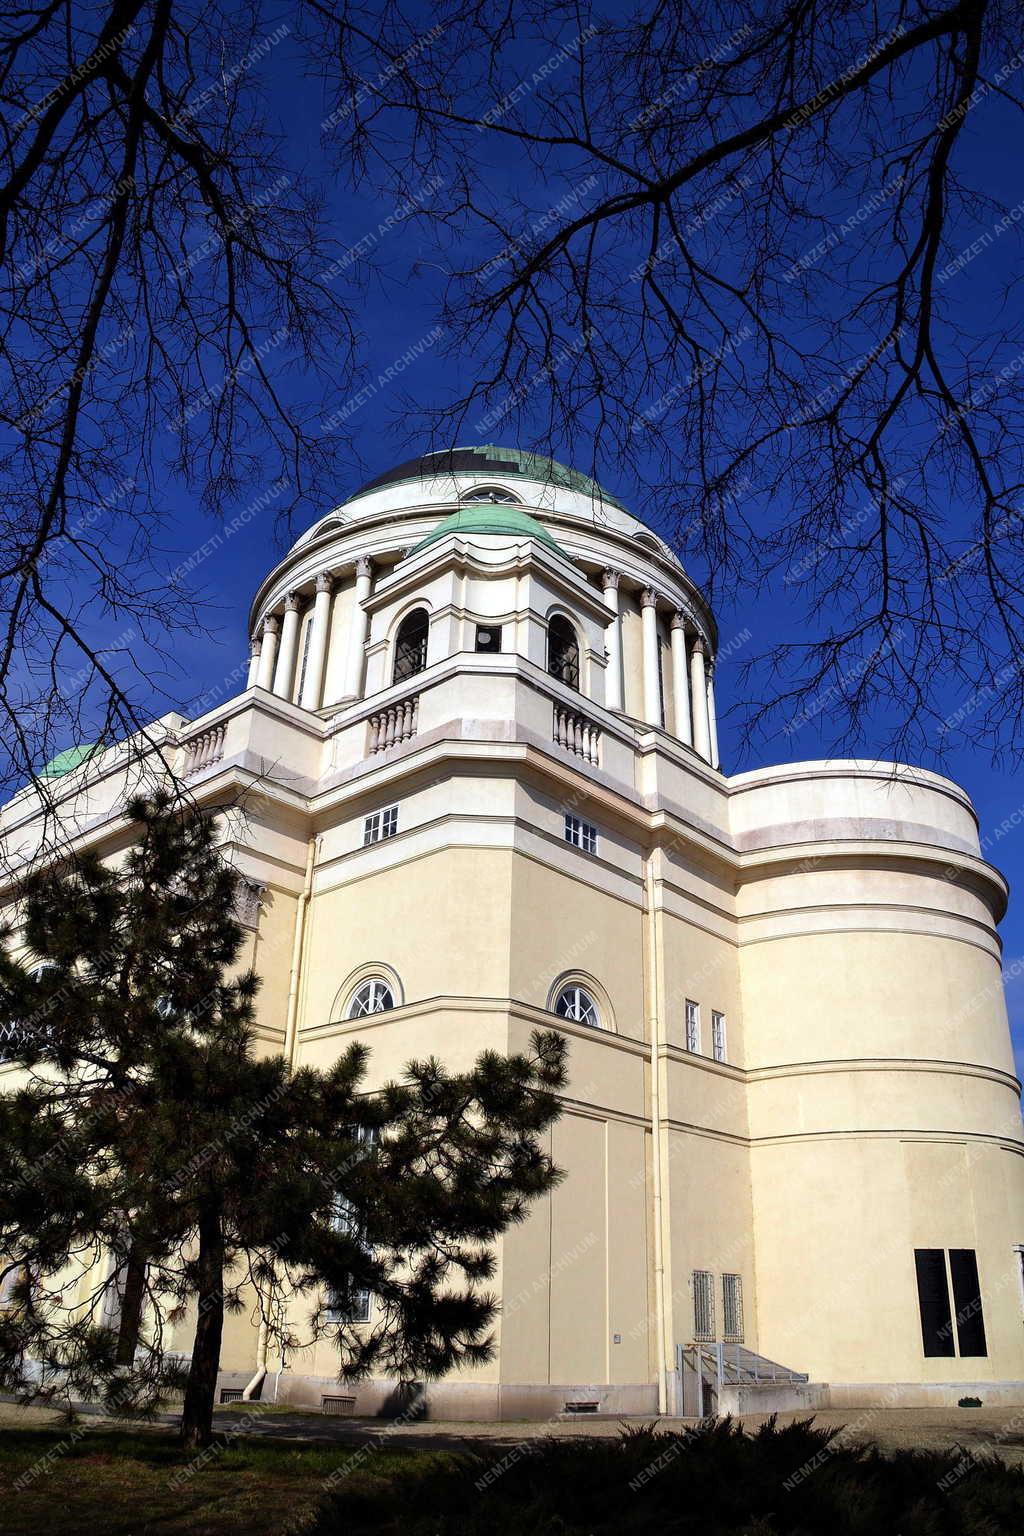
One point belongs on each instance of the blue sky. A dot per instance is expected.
(396, 310)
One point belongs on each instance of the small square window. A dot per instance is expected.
(358, 1310)
(380, 825)
(581, 834)
(718, 1035)
(488, 638)
(692, 1025)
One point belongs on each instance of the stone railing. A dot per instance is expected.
(204, 750)
(391, 725)
(577, 734)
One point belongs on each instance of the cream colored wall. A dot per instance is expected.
(860, 983)
(836, 1222)
(632, 654)
(441, 921)
(342, 608)
(850, 995)
(595, 933)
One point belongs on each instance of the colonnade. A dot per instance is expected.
(276, 665)
(693, 688)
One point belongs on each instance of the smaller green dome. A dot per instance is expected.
(68, 760)
(491, 517)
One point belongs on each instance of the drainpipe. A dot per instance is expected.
(257, 1381)
(292, 1014)
(290, 1033)
(654, 1031)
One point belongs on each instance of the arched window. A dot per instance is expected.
(411, 645)
(576, 1004)
(374, 996)
(494, 493)
(563, 651)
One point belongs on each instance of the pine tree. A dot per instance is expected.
(147, 1129)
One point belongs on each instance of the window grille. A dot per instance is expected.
(732, 1308)
(703, 1306)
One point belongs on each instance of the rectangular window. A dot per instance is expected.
(692, 1025)
(933, 1300)
(703, 1306)
(732, 1308)
(970, 1324)
(718, 1035)
(659, 650)
(488, 638)
(380, 825)
(355, 1308)
(304, 663)
(581, 834)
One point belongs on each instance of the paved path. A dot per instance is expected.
(999, 1431)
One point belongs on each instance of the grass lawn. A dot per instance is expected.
(714, 1480)
(83, 1482)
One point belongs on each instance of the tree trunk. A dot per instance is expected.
(197, 1417)
(132, 1298)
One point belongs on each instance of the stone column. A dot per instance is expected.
(681, 680)
(699, 694)
(268, 653)
(652, 693)
(284, 673)
(254, 661)
(357, 638)
(712, 722)
(613, 694)
(312, 687)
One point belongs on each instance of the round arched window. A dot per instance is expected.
(563, 651)
(577, 1004)
(493, 493)
(374, 996)
(411, 645)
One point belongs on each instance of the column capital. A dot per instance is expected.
(648, 598)
(699, 648)
(679, 620)
(363, 566)
(610, 579)
(293, 602)
(325, 582)
(256, 643)
(271, 624)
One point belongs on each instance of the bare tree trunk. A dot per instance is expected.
(197, 1416)
(132, 1299)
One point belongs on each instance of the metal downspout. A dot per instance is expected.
(655, 1036)
(292, 1015)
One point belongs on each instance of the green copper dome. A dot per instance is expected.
(491, 517)
(68, 760)
(487, 462)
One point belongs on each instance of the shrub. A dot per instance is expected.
(712, 1480)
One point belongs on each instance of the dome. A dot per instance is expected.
(67, 761)
(490, 460)
(491, 517)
